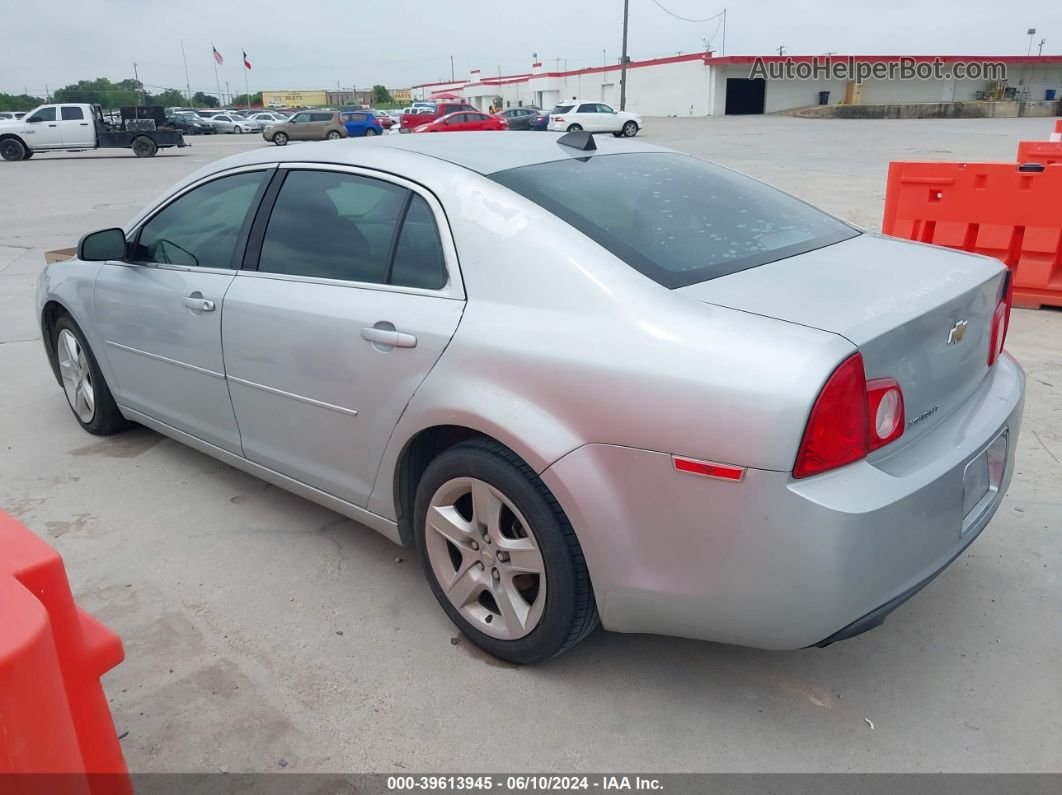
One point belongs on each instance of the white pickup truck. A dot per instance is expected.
(76, 128)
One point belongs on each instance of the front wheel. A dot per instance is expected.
(333, 135)
(280, 139)
(144, 147)
(86, 392)
(574, 127)
(237, 129)
(28, 155)
(630, 129)
(13, 149)
(500, 555)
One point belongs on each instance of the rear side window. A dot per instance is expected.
(587, 108)
(72, 114)
(676, 219)
(320, 117)
(419, 256)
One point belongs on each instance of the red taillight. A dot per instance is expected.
(708, 469)
(884, 411)
(1000, 322)
(851, 418)
(837, 428)
(558, 119)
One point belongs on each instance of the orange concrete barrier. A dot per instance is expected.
(54, 717)
(996, 209)
(1057, 134)
(1046, 153)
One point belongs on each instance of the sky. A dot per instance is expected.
(314, 44)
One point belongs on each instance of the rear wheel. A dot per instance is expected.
(280, 139)
(144, 146)
(86, 392)
(500, 555)
(574, 127)
(370, 132)
(630, 129)
(12, 149)
(332, 135)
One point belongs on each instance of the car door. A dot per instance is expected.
(610, 120)
(42, 129)
(354, 297)
(74, 128)
(588, 117)
(159, 311)
(298, 127)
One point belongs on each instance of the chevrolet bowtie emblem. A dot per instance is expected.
(958, 331)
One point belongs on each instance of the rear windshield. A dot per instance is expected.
(677, 219)
(562, 108)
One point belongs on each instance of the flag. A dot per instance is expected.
(246, 63)
(217, 55)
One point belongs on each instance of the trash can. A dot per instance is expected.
(1049, 95)
(824, 97)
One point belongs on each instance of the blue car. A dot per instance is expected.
(541, 121)
(359, 123)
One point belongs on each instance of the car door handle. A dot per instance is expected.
(53, 125)
(198, 303)
(389, 336)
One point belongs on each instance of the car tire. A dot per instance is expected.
(83, 383)
(143, 146)
(574, 127)
(12, 149)
(524, 610)
(237, 130)
(333, 135)
(617, 135)
(369, 133)
(280, 139)
(630, 129)
(28, 155)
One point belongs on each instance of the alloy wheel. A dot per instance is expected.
(77, 379)
(486, 558)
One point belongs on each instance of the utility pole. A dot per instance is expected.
(604, 58)
(623, 56)
(781, 50)
(1031, 32)
(1040, 50)
(452, 69)
(228, 92)
(139, 88)
(722, 49)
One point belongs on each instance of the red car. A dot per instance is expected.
(463, 121)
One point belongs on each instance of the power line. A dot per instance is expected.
(686, 19)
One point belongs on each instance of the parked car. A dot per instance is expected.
(190, 123)
(362, 123)
(267, 117)
(209, 113)
(307, 125)
(11, 115)
(594, 117)
(384, 118)
(424, 114)
(520, 118)
(467, 121)
(540, 121)
(668, 405)
(234, 123)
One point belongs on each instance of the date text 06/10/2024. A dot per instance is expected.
(521, 783)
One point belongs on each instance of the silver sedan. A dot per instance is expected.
(234, 123)
(611, 383)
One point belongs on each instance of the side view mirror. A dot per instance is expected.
(34, 119)
(103, 245)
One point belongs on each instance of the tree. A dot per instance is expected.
(169, 98)
(202, 100)
(100, 91)
(19, 102)
(381, 96)
(240, 100)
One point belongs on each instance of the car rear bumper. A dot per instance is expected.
(774, 562)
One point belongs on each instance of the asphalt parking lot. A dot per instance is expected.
(259, 627)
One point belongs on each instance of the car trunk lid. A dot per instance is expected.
(919, 314)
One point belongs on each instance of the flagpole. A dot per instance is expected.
(216, 78)
(246, 86)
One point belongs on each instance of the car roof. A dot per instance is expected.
(482, 152)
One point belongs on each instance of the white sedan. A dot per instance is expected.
(594, 117)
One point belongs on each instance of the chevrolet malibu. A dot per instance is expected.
(690, 405)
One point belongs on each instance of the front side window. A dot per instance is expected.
(202, 227)
(44, 114)
(604, 109)
(72, 114)
(675, 218)
(301, 117)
